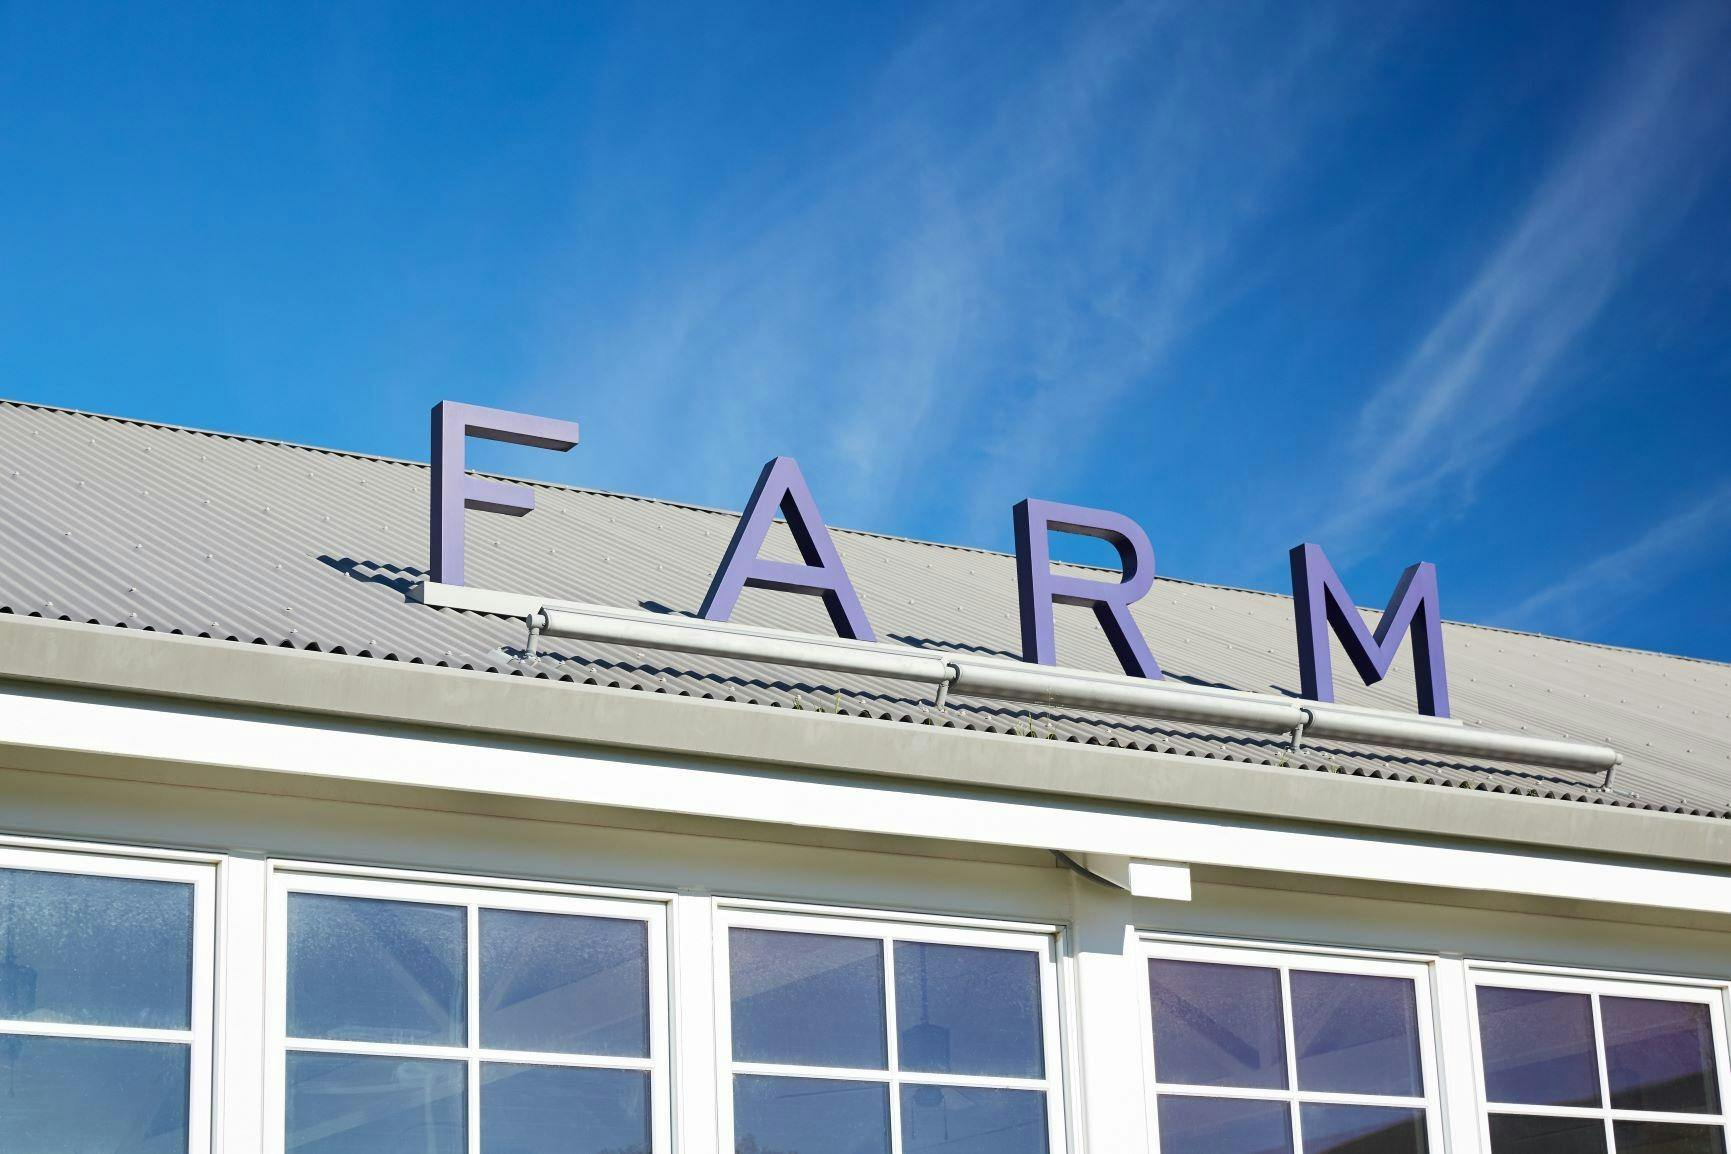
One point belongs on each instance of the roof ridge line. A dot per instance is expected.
(353, 454)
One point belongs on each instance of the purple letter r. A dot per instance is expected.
(1038, 586)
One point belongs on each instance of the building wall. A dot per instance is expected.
(701, 874)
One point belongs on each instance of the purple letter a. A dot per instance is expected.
(782, 486)
(1320, 600)
(1038, 586)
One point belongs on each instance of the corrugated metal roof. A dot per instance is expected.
(126, 523)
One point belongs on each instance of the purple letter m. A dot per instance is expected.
(454, 490)
(1320, 601)
(1038, 586)
(782, 486)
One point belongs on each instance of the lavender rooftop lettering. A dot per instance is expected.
(1038, 587)
(782, 486)
(454, 490)
(1320, 601)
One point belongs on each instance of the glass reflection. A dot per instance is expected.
(966, 1120)
(366, 970)
(1519, 1134)
(808, 999)
(562, 1110)
(345, 1104)
(60, 965)
(1217, 1025)
(1659, 1055)
(1668, 1138)
(809, 1116)
(1356, 1034)
(1332, 1129)
(564, 983)
(968, 1010)
(72, 1095)
(1538, 1047)
(1223, 1126)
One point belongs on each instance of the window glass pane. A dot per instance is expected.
(375, 971)
(809, 1116)
(58, 961)
(555, 982)
(70, 1095)
(1356, 1034)
(967, 1010)
(1330, 1129)
(966, 1120)
(1538, 1047)
(1668, 1138)
(1223, 1126)
(1217, 1025)
(561, 1110)
(343, 1104)
(1659, 1055)
(1517, 1134)
(807, 999)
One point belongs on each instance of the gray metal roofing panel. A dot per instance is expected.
(147, 526)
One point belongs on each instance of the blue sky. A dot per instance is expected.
(1415, 281)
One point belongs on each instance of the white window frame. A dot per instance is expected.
(1285, 959)
(1711, 994)
(1043, 941)
(201, 877)
(473, 894)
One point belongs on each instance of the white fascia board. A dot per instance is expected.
(140, 730)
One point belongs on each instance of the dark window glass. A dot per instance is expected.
(564, 983)
(76, 1094)
(563, 1110)
(807, 999)
(967, 1010)
(1518, 1134)
(809, 1116)
(1668, 1138)
(1538, 1047)
(365, 970)
(968, 1120)
(61, 963)
(1332, 1129)
(1659, 1055)
(1356, 1034)
(1217, 1025)
(350, 1104)
(1223, 1126)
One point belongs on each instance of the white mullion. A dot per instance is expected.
(855, 1074)
(696, 1066)
(240, 1042)
(1604, 1075)
(892, 1043)
(1290, 1033)
(472, 1023)
(409, 1050)
(1721, 1060)
(1320, 1097)
(1455, 1088)
(99, 1033)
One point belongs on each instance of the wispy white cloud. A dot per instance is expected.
(1591, 593)
(1009, 234)
(1471, 386)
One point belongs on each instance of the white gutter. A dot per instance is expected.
(1044, 685)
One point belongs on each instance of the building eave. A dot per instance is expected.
(251, 678)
